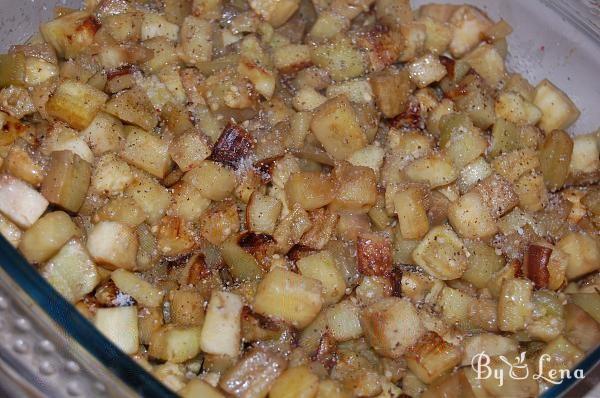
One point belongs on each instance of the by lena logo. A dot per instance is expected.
(519, 369)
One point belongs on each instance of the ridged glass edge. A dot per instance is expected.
(583, 14)
(32, 285)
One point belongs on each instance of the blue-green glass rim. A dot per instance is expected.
(586, 365)
(77, 326)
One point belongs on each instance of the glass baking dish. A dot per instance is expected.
(48, 349)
